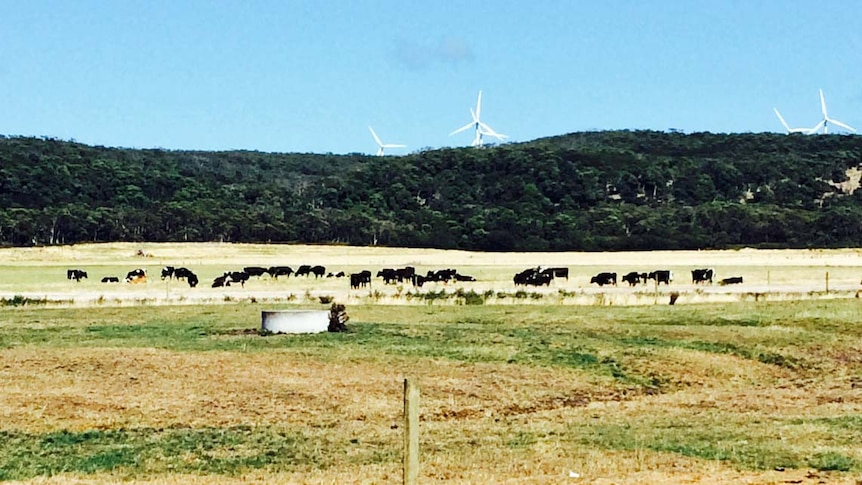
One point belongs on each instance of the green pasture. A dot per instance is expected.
(627, 351)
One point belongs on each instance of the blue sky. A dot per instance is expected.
(310, 76)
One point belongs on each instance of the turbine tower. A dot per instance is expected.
(481, 128)
(806, 131)
(824, 123)
(381, 145)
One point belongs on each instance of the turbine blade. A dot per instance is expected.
(376, 138)
(474, 115)
(817, 127)
(490, 131)
(465, 127)
(842, 125)
(394, 145)
(781, 118)
(479, 105)
(823, 104)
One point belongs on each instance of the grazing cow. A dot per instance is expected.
(702, 275)
(235, 277)
(661, 276)
(183, 273)
(255, 271)
(632, 278)
(306, 270)
(388, 274)
(219, 282)
(405, 274)
(559, 272)
(418, 280)
(276, 271)
(603, 279)
(192, 280)
(443, 275)
(363, 278)
(167, 272)
(110, 279)
(138, 275)
(731, 281)
(75, 274)
(533, 277)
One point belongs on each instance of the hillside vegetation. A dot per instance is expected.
(611, 190)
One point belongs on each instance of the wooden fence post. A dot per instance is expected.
(827, 282)
(411, 432)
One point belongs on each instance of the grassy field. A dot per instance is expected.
(39, 274)
(161, 383)
(749, 392)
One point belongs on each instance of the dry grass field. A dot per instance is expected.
(156, 383)
(39, 273)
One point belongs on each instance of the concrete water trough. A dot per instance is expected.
(295, 321)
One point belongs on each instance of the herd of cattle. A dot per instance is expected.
(540, 276)
(543, 276)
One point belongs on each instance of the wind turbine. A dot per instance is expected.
(480, 127)
(381, 145)
(806, 131)
(826, 119)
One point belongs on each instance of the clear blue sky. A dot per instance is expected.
(311, 75)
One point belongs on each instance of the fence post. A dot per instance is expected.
(827, 282)
(411, 432)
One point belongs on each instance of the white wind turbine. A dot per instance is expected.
(480, 127)
(826, 119)
(381, 145)
(806, 131)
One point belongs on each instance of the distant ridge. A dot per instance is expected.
(602, 190)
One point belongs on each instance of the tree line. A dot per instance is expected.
(607, 190)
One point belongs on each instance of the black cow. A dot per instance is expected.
(533, 277)
(306, 270)
(192, 280)
(418, 280)
(363, 278)
(559, 272)
(276, 271)
(340, 274)
(389, 275)
(75, 274)
(661, 276)
(110, 279)
(167, 272)
(235, 277)
(702, 275)
(463, 277)
(731, 281)
(183, 273)
(405, 274)
(603, 279)
(255, 271)
(443, 275)
(138, 275)
(632, 278)
(220, 281)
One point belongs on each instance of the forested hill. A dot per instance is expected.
(608, 190)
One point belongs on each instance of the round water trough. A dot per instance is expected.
(295, 321)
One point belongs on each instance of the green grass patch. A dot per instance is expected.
(135, 452)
